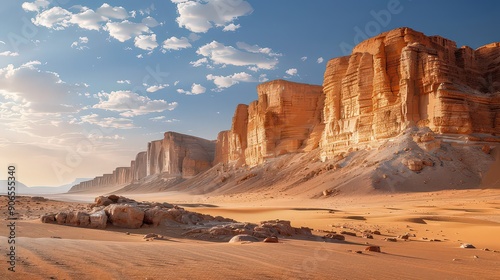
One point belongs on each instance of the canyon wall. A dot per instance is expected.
(281, 121)
(402, 78)
(398, 79)
(175, 155)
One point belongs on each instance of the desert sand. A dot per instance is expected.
(450, 218)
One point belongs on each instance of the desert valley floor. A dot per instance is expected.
(437, 222)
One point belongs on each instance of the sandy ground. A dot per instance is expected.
(48, 251)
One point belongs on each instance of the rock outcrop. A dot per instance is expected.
(402, 78)
(281, 121)
(391, 83)
(175, 155)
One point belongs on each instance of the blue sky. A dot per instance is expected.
(84, 85)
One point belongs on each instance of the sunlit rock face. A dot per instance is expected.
(283, 120)
(402, 78)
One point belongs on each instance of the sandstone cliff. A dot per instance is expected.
(398, 81)
(281, 121)
(176, 155)
(402, 78)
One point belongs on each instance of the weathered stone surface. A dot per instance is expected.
(373, 249)
(49, 218)
(286, 118)
(401, 78)
(154, 216)
(125, 216)
(77, 218)
(176, 155)
(272, 239)
(243, 238)
(61, 217)
(98, 219)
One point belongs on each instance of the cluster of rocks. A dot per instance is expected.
(269, 230)
(127, 213)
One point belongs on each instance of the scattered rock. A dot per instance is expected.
(390, 239)
(126, 216)
(98, 219)
(272, 239)
(367, 235)
(405, 236)
(373, 249)
(467, 246)
(103, 201)
(348, 233)
(413, 164)
(334, 236)
(50, 218)
(243, 238)
(486, 149)
(61, 217)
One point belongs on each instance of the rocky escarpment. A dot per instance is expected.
(402, 78)
(176, 155)
(283, 120)
(398, 82)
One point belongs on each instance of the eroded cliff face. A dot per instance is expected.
(396, 80)
(402, 78)
(175, 155)
(281, 121)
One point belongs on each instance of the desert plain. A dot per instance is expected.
(438, 223)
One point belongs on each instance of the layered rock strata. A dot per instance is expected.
(176, 155)
(402, 78)
(282, 120)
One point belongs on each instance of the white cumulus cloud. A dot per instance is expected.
(195, 90)
(231, 27)
(35, 6)
(320, 60)
(292, 71)
(156, 88)
(201, 15)
(131, 104)
(198, 89)
(110, 122)
(54, 18)
(9, 53)
(221, 54)
(123, 31)
(228, 81)
(199, 62)
(112, 12)
(174, 43)
(44, 93)
(146, 42)
(88, 19)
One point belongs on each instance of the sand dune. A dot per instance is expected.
(453, 217)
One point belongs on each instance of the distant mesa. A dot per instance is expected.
(392, 83)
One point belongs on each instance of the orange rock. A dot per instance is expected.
(402, 78)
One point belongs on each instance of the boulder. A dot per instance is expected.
(334, 236)
(154, 216)
(61, 217)
(243, 238)
(98, 219)
(50, 218)
(467, 246)
(103, 201)
(124, 215)
(78, 218)
(272, 239)
(373, 249)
